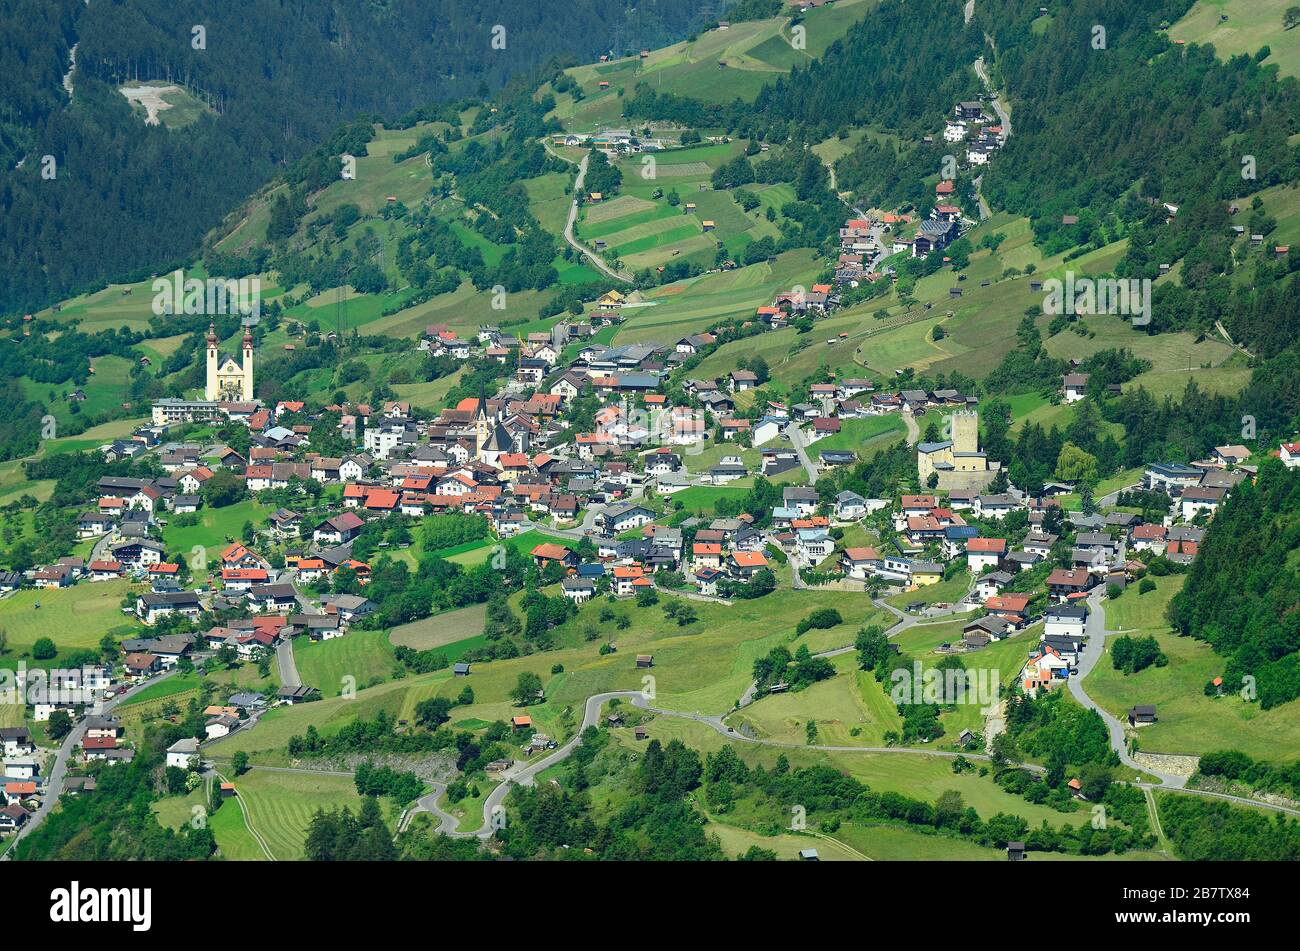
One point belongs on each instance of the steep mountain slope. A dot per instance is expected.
(127, 198)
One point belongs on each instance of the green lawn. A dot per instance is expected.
(1189, 721)
(362, 656)
(216, 529)
(863, 436)
(280, 805)
(76, 617)
(703, 498)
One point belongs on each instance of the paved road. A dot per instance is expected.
(1003, 117)
(1093, 650)
(284, 659)
(58, 773)
(800, 448)
(525, 773)
(573, 242)
(446, 823)
(1112, 499)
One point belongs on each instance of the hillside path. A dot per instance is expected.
(596, 260)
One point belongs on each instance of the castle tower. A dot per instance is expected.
(965, 431)
(248, 365)
(212, 389)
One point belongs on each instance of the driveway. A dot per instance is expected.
(284, 660)
(800, 449)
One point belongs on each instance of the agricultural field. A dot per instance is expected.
(1234, 27)
(644, 230)
(691, 306)
(74, 618)
(440, 630)
(351, 661)
(279, 806)
(1189, 721)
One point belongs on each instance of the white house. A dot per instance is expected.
(982, 553)
(768, 428)
(183, 753)
(1065, 620)
(850, 506)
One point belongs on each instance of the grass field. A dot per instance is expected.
(1250, 26)
(280, 805)
(717, 66)
(704, 666)
(850, 709)
(231, 832)
(362, 656)
(912, 774)
(440, 629)
(1189, 721)
(216, 529)
(76, 617)
(863, 436)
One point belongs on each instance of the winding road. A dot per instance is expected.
(1093, 649)
(59, 771)
(573, 242)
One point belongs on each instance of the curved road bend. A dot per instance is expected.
(569, 237)
(1093, 649)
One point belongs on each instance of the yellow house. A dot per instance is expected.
(610, 300)
(924, 573)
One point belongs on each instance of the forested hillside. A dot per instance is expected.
(1110, 135)
(1243, 591)
(128, 198)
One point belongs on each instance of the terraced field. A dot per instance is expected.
(691, 306)
(280, 806)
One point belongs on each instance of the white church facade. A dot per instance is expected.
(227, 380)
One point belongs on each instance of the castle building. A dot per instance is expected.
(227, 381)
(958, 462)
